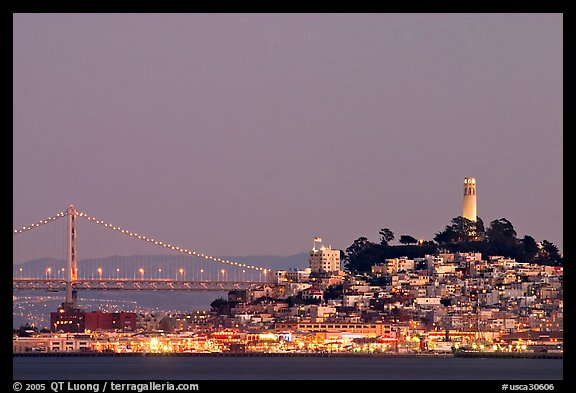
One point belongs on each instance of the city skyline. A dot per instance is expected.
(249, 134)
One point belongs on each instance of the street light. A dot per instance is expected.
(100, 273)
(159, 271)
(223, 272)
(48, 271)
(201, 271)
(141, 273)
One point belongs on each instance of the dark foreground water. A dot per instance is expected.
(260, 368)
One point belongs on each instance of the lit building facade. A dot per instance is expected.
(81, 321)
(364, 329)
(324, 260)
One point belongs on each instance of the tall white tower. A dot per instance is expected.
(469, 205)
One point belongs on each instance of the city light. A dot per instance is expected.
(500, 305)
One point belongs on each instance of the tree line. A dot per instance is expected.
(461, 235)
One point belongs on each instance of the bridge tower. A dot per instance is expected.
(71, 302)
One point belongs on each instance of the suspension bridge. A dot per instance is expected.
(191, 271)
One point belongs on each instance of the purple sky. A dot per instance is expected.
(249, 134)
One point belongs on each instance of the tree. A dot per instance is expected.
(218, 302)
(333, 292)
(294, 300)
(342, 255)
(386, 236)
(448, 235)
(421, 265)
(407, 239)
(461, 230)
(549, 253)
(501, 229)
(480, 230)
(529, 248)
(221, 306)
(360, 255)
(465, 228)
(501, 237)
(356, 248)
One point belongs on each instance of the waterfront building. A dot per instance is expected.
(72, 321)
(362, 329)
(52, 343)
(76, 321)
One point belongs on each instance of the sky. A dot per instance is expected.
(250, 134)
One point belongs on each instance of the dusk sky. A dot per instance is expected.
(249, 134)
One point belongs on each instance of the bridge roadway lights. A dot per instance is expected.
(132, 285)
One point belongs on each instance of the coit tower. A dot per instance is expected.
(469, 205)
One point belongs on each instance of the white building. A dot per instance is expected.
(149, 321)
(393, 265)
(318, 314)
(289, 276)
(444, 269)
(51, 343)
(324, 260)
(293, 288)
(468, 256)
(427, 301)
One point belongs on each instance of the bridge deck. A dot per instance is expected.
(134, 285)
